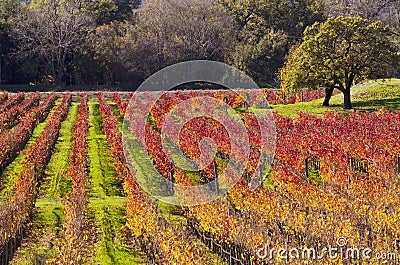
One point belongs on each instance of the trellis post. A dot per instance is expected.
(216, 177)
(398, 165)
(262, 164)
(351, 164)
(35, 175)
(172, 178)
(226, 101)
(306, 168)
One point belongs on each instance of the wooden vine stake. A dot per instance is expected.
(172, 179)
(306, 162)
(398, 165)
(216, 177)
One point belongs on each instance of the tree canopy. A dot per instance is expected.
(8, 12)
(50, 33)
(173, 31)
(95, 42)
(265, 31)
(338, 53)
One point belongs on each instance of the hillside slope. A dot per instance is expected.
(366, 96)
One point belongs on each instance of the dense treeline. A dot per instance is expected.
(109, 42)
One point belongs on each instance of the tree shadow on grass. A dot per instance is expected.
(390, 103)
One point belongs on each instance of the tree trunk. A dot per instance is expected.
(328, 95)
(2, 52)
(0, 71)
(347, 99)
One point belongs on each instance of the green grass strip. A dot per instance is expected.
(106, 202)
(46, 226)
(113, 247)
(145, 170)
(55, 184)
(102, 172)
(16, 167)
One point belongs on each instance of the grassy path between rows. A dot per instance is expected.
(145, 170)
(46, 226)
(106, 205)
(16, 167)
(172, 213)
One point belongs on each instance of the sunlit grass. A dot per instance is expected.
(106, 203)
(367, 96)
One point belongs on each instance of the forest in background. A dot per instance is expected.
(122, 42)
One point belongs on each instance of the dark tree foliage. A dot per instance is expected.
(122, 42)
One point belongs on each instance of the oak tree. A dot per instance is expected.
(338, 53)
